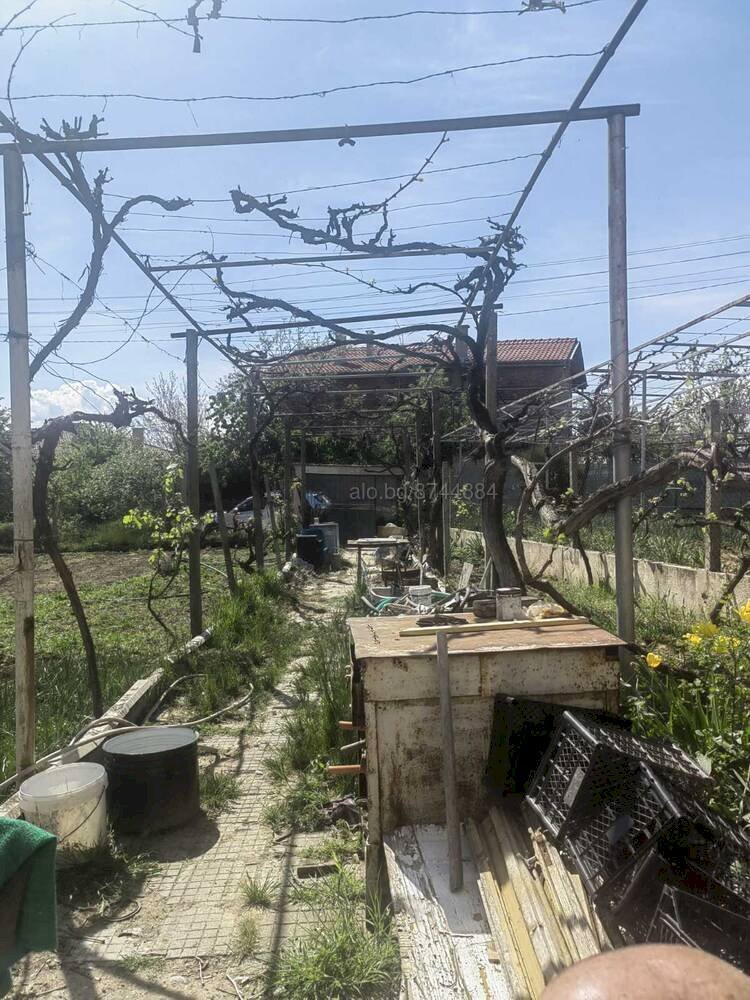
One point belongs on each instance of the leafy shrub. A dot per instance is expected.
(707, 716)
(112, 536)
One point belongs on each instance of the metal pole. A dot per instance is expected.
(256, 484)
(437, 469)
(22, 459)
(304, 509)
(450, 785)
(644, 416)
(490, 401)
(620, 385)
(446, 485)
(713, 490)
(490, 372)
(192, 474)
(222, 523)
(288, 490)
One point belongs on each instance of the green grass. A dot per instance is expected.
(111, 536)
(344, 886)
(344, 844)
(343, 960)
(311, 735)
(103, 878)
(260, 892)
(142, 963)
(253, 640)
(218, 791)
(247, 937)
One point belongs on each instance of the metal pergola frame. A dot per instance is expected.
(13, 154)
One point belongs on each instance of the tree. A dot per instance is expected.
(169, 394)
(100, 473)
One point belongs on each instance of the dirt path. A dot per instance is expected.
(176, 936)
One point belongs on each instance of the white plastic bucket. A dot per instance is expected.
(69, 801)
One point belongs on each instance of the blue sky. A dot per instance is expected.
(687, 155)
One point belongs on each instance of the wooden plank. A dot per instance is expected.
(453, 828)
(465, 578)
(442, 935)
(523, 623)
(514, 914)
(575, 920)
(505, 948)
(547, 940)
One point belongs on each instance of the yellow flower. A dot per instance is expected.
(705, 629)
(744, 612)
(692, 638)
(723, 643)
(653, 660)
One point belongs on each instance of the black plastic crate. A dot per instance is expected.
(682, 918)
(608, 842)
(699, 851)
(521, 732)
(587, 764)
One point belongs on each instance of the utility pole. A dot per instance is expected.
(255, 480)
(22, 459)
(192, 480)
(713, 489)
(287, 490)
(619, 375)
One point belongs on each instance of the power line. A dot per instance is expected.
(370, 180)
(325, 92)
(271, 19)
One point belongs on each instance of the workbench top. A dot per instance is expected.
(378, 638)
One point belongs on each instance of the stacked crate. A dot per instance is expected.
(631, 814)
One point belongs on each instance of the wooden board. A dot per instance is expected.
(491, 626)
(376, 638)
(443, 936)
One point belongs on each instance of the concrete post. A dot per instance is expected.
(22, 459)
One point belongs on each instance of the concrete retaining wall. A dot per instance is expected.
(696, 590)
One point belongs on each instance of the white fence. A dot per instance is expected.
(696, 590)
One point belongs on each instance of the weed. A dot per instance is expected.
(259, 891)
(341, 960)
(344, 886)
(217, 791)
(103, 877)
(301, 800)
(343, 845)
(141, 963)
(247, 938)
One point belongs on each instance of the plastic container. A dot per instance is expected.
(682, 918)
(69, 801)
(521, 731)
(153, 778)
(587, 765)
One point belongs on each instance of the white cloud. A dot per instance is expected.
(88, 395)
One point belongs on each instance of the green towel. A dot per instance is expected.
(22, 844)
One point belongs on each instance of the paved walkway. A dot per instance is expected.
(181, 941)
